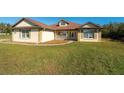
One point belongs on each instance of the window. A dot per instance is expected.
(88, 33)
(62, 33)
(58, 33)
(71, 34)
(62, 23)
(25, 34)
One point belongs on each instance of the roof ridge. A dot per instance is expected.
(35, 21)
(66, 21)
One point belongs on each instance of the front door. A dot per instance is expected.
(61, 35)
(72, 35)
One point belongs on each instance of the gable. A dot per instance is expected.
(23, 24)
(62, 23)
(88, 26)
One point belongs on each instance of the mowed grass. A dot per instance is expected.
(76, 58)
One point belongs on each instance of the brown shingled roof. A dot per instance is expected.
(36, 23)
(70, 26)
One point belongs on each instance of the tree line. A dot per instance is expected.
(5, 28)
(114, 31)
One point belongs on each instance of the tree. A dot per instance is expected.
(8, 28)
(113, 31)
(5, 28)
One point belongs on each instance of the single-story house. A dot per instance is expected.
(31, 31)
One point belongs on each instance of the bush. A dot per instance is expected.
(113, 31)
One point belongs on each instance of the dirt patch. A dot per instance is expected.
(56, 42)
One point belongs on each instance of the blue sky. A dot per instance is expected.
(80, 20)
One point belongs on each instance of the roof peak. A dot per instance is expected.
(63, 20)
(37, 23)
(90, 23)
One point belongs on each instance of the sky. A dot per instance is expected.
(53, 20)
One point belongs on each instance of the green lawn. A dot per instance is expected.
(76, 58)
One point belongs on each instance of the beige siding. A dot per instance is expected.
(78, 36)
(47, 36)
(95, 35)
(39, 36)
(99, 36)
(23, 23)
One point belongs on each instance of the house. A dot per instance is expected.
(31, 31)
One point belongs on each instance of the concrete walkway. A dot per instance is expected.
(33, 44)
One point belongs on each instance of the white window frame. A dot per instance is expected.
(60, 23)
(24, 34)
(88, 37)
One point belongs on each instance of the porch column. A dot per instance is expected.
(99, 35)
(79, 35)
(39, 36)
(67, 35)
(54, 35)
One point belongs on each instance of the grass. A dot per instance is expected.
(76, 58)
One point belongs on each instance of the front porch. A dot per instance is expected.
(65, 35)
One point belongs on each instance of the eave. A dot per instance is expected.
(27, 27)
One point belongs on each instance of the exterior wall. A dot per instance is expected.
(37, 36)
(78, 36)
(47, 36)
(33, 36)
(97, 37)
(23, 23)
